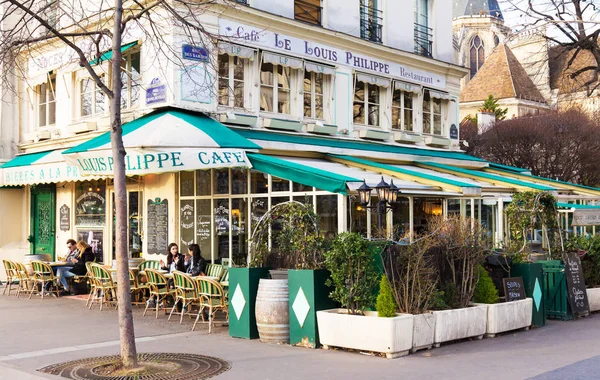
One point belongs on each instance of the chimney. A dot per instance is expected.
(484, 121)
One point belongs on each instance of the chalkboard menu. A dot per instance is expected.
(514, 289)
(576, 285)
(65, 218)
(158, 226)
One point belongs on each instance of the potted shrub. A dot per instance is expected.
(463, 244)
(504, 316)
(353, 278)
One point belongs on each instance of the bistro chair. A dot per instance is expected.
(159, 289)
(225, 282)
(91, 282)
(185, 292)
(149, 264)
(214, 270)
(11, 276)
(137, 289)
(42, 275)
(106, 289)
(212, 297)
(25, 281)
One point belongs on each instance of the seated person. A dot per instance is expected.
(197, 266)
(175, 259)
(73, 252)
(79, 268)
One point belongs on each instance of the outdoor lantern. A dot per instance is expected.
(383, 190)
(393, 193)
(364, 193)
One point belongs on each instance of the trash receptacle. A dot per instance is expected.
(533, 279)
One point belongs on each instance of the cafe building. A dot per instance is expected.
(314, 106)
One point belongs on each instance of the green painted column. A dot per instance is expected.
(243, 286)
(308, 294)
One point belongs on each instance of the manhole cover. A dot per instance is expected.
(161, 366)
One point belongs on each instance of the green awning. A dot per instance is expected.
(571, 205)
(302, 174)
(25, 159)
(107, 55)
(514, 169)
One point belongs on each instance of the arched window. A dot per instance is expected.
(477, 56)
(496, 40)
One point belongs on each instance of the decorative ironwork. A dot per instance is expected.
(370, 23)
(308, 11)
(44, 233)
(176, 366)
(423, 40)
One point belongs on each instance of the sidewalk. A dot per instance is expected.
(36, 333)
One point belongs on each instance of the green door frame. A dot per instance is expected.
(43, 196)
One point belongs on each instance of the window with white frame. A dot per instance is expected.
(432, 114)
(402, 109)
(46, 102)
(366, 103)
(314, 95)
(131, 78)
(231, 80)
(92, 100)
(275, 88)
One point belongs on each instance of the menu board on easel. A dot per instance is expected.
(576, 285)
(158, 226)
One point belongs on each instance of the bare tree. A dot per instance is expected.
(557, 145)
(573, 29)
(88, 28)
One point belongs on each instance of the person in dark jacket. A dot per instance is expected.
(197, 266)
(175, 260)
(79, 268)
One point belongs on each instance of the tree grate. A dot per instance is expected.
(180, 367)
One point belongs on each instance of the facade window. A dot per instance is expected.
(92, 99)
(423, 33)
(366, 104)
(275, 88)
(308, 11)
(231, 80)
(370, 21)
(46, 102)
(432, 114)
(313, 95)
(131, 78)
(402, 110)
(496, 40)
(476, 55)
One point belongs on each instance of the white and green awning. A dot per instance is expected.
(166, 141)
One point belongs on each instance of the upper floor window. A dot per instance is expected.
(476, 55)
(423, 33)
(370, 21)
(131, 78)
(231, 80)
(367, 99)
(308, 11)
(276, 73)
(402, 109)
(313, 95)
(46, 102)
(432, 114)
(91, 98)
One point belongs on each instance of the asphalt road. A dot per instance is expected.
(36, 333)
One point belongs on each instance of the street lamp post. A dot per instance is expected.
(386, 193)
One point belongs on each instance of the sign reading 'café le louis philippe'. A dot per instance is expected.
(146, 161)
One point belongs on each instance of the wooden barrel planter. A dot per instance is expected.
(272, 311)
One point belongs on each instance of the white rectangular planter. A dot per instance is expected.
(391, 336)
(508, 316)
(460, 323)
(593, 295)
(423, 331)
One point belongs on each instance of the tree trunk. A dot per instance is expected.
(126, 331)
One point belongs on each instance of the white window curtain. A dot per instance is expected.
(283, 60)
(236, 50)
(372, 79)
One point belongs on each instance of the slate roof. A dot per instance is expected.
(503, 77)
(476, 7)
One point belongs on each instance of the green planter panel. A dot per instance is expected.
(243, 286)
(308, 294)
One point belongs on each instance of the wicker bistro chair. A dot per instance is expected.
(214, 270)
(43, 274)
(185, 292)
(106, 289)
(212, 297)
(11, 276)
(225, 282)
(159, 289)
(137, 289)
(91, 282)
(149, 264)
(25, 281)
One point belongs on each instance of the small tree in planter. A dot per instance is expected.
(354, 278)
(385, 306)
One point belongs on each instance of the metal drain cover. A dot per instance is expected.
(177, 367)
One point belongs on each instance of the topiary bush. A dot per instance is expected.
(386, 306)
(485, 290)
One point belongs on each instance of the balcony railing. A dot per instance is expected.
(423, 40)
(308, 11)
(370, 23)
